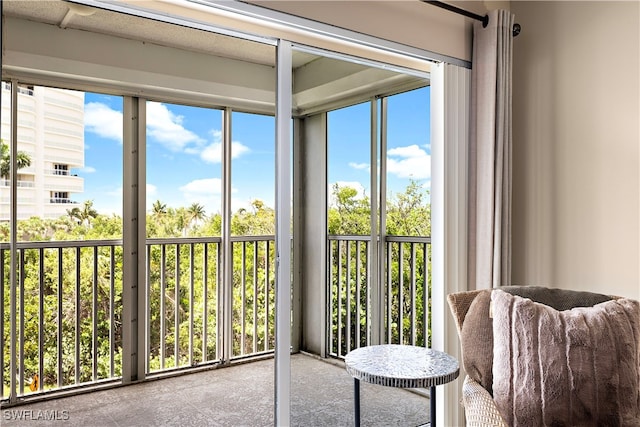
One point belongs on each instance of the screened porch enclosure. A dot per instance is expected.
(79, 314)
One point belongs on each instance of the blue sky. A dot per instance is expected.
(184, 150)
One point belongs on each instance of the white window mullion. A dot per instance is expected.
(282, 370)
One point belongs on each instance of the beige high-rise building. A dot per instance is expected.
(51, 133)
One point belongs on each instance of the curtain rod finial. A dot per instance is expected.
(516, 29)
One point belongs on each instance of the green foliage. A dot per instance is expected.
(22, 160)
(65, 307)
(407, 296)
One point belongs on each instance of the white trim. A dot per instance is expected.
(450, 98)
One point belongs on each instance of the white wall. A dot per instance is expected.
(576, 146)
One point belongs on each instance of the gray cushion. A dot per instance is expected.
(476, 332)
(578, 367)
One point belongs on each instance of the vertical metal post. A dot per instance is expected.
(59, 317)
(282, 396)
(41, 321)
(191, 299)
(176, 311)
(13, 227)
(266, 295)
(383, 247)
(94, 322)
(225, 293)
(112, 316)
(377, 328)
(163, 310)
(78, 325)
(205, 302)
(134, 240)
(243, 297)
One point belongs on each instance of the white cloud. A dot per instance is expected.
(409, 162)
(166, 128)
(102, 120)
(87, 169)
(359, 165)
(213, 152)
(202, 187)
(152, 190)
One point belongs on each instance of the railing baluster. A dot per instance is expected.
(266, 297)
(330, 295)
(22, 316)
(348, 297)
(367, 312)
(41, 320)
(59, 317)
(427, 294)
(358, 299)
(77, 329)
(191, 285)
(255, 296)
(147, 293)
(413, 294)
(112, 326)
(94, 310)
(339, 300)
(163, 310)
(205, 298)
(176, 304)
(400, 293)
(389, 291)
(243, 296)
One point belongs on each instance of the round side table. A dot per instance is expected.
(404, 366)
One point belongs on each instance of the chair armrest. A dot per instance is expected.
(479, 406)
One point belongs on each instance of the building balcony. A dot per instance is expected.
(64, 317)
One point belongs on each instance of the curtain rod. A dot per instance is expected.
(484, 19)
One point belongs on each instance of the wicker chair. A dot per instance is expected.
(471, 311)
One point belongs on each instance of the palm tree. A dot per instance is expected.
(22, 160)
(75, 215)
(196, 213)
(159, 209)
(87, 212)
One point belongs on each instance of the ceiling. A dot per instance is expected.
(70, 15)
(319, 82)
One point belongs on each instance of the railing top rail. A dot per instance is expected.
(409, 239)
(182, 240)
(260, 238)
(54, 244)
(362, 238)
(388, 238)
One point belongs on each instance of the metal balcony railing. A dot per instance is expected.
(68, 304)
(68, 309)
(405, 287)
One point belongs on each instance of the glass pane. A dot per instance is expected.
(408, 163)
(253, 222)
(69, 185)
(349, 148)
(184, 155)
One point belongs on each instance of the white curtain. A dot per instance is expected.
(490, 153)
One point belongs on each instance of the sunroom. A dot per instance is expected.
(328, 237)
